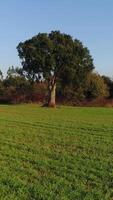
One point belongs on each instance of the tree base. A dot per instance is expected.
(51, 105)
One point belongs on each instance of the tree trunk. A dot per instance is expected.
(52, 93)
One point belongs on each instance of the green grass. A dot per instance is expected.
(56, 154)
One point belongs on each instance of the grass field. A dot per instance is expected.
(56, 154)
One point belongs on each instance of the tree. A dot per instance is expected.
(96, 87)
(109, 83)
(1, 76)
(55, 57)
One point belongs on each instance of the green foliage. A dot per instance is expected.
(71, 93)
(16, 88)
(2, 88)
(61, 154)
(95, 86)
(55, 57)
(12, 72)
(20, 84)
(57, 54)
(109, 82)
(1, 75)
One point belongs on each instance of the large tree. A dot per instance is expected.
(55, 57)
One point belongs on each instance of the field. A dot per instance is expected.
(56, 154)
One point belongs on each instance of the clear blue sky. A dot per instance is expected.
(91, 21)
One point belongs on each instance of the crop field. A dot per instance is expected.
(56, 154)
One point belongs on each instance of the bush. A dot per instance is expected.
(96, 87)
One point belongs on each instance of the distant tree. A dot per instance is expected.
(55, 57)
(1, 84)
(14, 79)
(109, 83)
(1, 76)
(13, 72)
(96, 87)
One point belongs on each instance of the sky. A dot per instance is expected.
(90, 21)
